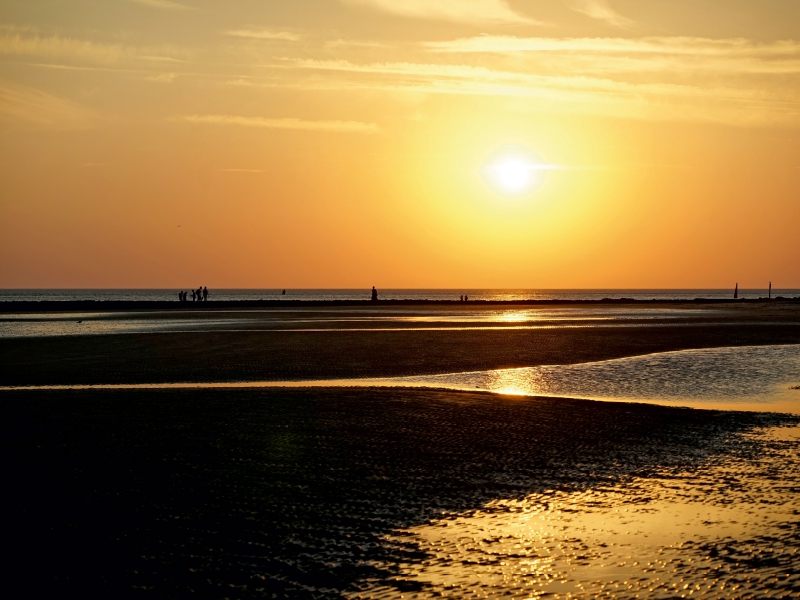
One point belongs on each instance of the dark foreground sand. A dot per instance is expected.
(290, 493)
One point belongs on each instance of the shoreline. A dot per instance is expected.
(14, 306)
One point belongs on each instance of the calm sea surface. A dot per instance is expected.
(387, 294)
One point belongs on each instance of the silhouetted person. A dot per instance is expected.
(180, 296)
(200, 294)
(374, 294)
(193, 296)
(466, 298)
(205, 293)
(283, 293)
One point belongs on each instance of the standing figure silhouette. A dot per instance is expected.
(374, 294)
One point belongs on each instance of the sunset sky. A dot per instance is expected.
(350, 143)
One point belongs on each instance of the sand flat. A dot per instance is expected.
(351, 349)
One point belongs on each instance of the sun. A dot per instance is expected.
(513, 174)
(514, 171)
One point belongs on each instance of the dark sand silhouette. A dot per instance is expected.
(292, 491)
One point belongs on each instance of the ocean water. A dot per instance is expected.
(387, 294)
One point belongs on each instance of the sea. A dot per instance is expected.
(7, 295)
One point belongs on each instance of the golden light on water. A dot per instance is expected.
(510, 391)
(512, 382)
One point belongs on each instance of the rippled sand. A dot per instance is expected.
(727, 528)
(327, 493)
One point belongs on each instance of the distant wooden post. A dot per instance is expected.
(769, 296)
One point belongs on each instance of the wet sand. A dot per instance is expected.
(330, 493)
(264, 351)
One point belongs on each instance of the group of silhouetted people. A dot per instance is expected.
(198, 295)
(464, 298)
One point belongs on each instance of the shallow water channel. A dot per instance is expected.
(761, 378)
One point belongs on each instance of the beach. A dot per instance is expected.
(388, 492)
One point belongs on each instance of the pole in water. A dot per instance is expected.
(736, 291)
(769, 296)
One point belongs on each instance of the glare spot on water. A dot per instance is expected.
(759, 375)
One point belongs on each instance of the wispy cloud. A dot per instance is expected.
(730, 102)
(473, 78)
(166, 4)
(25, 105)
(290, 123)
(651, 45)
(681, 55)
(58, 47)
(162, 77)
(602, 11)
(463, 11)
(265, 34)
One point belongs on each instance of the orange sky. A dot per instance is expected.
(344, 143)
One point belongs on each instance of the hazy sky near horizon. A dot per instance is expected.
(343, 143)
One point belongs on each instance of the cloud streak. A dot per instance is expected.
(602, 11)
(650, 45)
(460, 11)
(265, 34)
(25, 105)
(734, 101)
(58, 47)
(164, 4)
(289, 123)
(680, 55)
